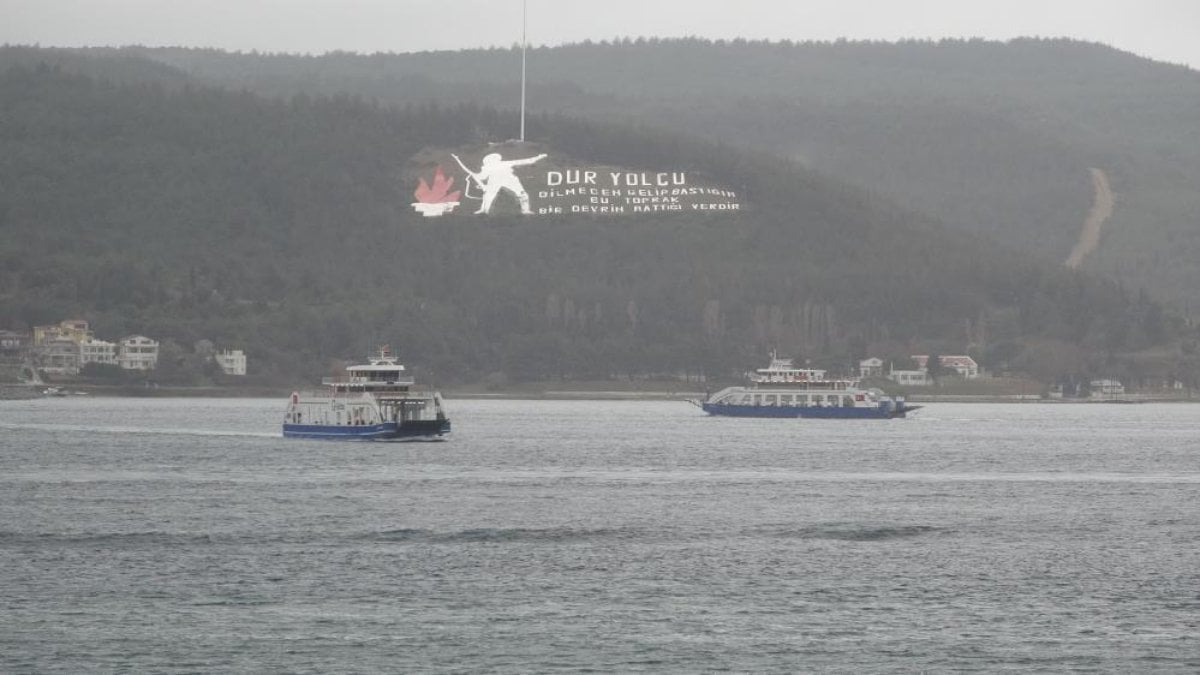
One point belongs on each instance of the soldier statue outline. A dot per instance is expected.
(496, 174)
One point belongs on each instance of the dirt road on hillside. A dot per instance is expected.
(1102, 208)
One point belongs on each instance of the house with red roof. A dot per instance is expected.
(963, 365)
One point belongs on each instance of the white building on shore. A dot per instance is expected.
(12, 342)
(963, 365)
(58, 356)
(909, 378)
(232, 361)
(870, 367)
(1106, 389)
(138, 352)
(92, 350)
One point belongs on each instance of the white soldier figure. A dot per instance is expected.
(495, 175)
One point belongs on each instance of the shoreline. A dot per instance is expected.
(26, 392)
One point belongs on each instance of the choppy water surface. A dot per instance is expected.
(185, 535)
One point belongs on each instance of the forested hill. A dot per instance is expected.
(287, 228)
(998, 138)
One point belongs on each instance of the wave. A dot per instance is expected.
(489, 534)
(836, 531)
(833, 531)
(233, 602)
(147, 537)
(161, 538)
(139, 430)
(850, 531)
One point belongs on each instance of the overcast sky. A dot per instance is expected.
(1165, 30)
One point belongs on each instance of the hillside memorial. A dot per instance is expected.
(514, 179)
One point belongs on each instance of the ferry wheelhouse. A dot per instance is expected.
(783, 390)
(378, 401)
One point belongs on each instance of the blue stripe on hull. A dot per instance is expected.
(751, 410)
(371, 432)
(785, 411)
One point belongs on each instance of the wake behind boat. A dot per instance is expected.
(378, 401)
(782, 390)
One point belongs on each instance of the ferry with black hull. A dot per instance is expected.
(782, 390)
(377, 401)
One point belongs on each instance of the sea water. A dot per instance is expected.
(185, 535)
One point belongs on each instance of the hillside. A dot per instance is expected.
(993, 138)
(287, 228)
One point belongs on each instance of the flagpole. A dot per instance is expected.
(524, 22)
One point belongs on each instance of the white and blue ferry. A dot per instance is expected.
(378, 401)
(782, 390)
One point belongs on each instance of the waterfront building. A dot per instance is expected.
(58, 356)
(92, 350)
(909, 378)
(232, 361)
(964, 366)
(872, 367)
(137, 352)
(75, 330)
(12, 342)
(1106, 388)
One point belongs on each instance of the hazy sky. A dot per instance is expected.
(1166, 30)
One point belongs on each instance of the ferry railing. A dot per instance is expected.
(405, 381)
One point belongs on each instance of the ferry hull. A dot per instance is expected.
(786, 411)
(388, 431)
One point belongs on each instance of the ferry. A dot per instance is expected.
(378, 401)
(783, 390)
